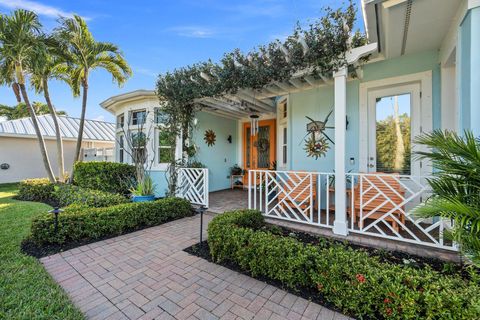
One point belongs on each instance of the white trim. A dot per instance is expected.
(415, 114)
(282, 123)
(340, 225)
(473, 4)
(449, 42)
(425, 80)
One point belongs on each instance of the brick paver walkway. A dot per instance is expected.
(146, 275)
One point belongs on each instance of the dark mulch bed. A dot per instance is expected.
(32, 249)
(203, 251)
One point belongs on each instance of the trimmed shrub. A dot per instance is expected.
(39, 190)
(82, 224)
(356, 283)
(66, 195)
(104, 176)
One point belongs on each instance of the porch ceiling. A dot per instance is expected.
(408, 26)
(248, 101)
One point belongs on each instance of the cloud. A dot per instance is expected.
(37, 7)
(259, 10)
(145, 71)
(193, 31)
(99, 118)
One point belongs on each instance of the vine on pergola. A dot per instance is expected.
(321, 48)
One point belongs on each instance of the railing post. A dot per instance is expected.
(249, 172)
(340, 225)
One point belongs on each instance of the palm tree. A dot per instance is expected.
(19, 34)
(455, 185)
(86, 54)
(48, 64)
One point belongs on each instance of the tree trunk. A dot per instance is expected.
(58, 133)
(400, 148)
(82, 124)
(41, 141)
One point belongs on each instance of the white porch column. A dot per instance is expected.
(340, 224)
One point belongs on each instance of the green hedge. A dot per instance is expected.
(82, 224)
(356, 283)
(66, 195)
(105, 176)
(39, 190)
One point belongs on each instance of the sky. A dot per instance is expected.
(159, 36)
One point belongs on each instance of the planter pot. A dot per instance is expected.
(143, 198)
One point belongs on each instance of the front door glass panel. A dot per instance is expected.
(393, 134)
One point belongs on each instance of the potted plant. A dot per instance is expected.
(136, 145)
(236, 170)
(144, 190)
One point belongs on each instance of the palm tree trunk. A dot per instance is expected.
(82, 123)
(58, 133)
(41, 141)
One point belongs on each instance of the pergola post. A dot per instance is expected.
(340, 225)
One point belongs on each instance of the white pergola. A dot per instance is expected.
(247, 101)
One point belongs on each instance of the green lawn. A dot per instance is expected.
(26, 289)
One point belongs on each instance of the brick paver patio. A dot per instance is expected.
(146, 275)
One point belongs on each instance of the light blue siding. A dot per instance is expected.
(469, 71)
(316, 103)
(222, 155)
(160, 181)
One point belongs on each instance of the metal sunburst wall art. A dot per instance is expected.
(210, 137)
(316, 140)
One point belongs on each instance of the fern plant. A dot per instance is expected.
(455, 185)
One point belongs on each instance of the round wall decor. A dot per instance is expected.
(210, 137)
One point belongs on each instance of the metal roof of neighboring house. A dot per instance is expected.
(93, 129)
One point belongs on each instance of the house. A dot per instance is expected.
(20, 156)
(423, 74)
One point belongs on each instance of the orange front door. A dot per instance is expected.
(259, 151)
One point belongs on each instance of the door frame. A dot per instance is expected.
(273, 140)
(424, 79)
(415, 125)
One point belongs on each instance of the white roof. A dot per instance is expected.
(93, 129)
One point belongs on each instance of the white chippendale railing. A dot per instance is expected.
(382, 205)
(193, 185)
(298, 196)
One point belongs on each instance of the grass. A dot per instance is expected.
(26, 290)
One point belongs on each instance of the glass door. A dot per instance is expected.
(393, 123)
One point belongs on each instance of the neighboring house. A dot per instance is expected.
(423, 74)
(20, 156)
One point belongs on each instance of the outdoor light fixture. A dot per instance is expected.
(253, 125)
(56, 211)
(229, 139)
(200, 210)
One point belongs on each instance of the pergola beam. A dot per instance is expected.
(226, 105)
(267, 105)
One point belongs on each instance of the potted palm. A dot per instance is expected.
(137, 143)
(144, 190)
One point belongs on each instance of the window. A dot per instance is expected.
(139, 142)
(283, 109)
(121, 150)
(164, 148)
(284, 146)
(139, 117)
(120, 121)
(160, 117)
